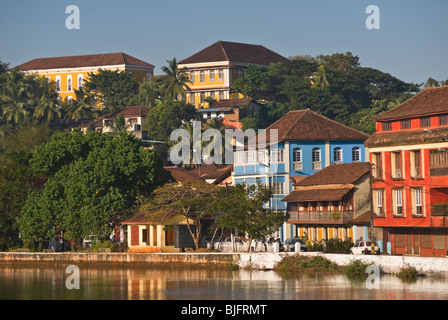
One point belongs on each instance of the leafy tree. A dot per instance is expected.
(112, 88)
(176, 82)
(82, 107)
(190, 199)
(242, 208)
(165, 117)
(94, 181)
(149, 93)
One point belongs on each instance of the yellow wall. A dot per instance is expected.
(64, 74)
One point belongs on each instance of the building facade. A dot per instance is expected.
(306, 143)
(69, 73)
(409, 154)
(333, 203)
(214, 69)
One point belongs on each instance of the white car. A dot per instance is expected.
(365, 247)
(290, 245)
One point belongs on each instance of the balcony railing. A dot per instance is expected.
(321, 217)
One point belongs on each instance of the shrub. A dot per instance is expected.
(408, 273)
(356, 269)
(338, 246)
(298, 263)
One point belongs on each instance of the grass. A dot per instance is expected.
(408, 274)
(299, 263)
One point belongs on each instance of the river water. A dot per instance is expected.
(165, 283)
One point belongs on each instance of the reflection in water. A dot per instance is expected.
(134, 283)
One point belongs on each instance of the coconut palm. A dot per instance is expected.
(176, 81)
(82, 107)
(320, 77)
(15, 99)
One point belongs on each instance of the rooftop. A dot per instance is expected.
(235, 52)
(433, 100)
(307, 125)
(92, 60)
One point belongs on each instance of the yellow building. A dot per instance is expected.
(214, 69)
(69, 73)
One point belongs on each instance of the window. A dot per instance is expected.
(69, 100)
(415, 164)
(202, 76)
(278, 188)
(425, 122)
(406, 124)
(192, 98)
(396, 165)
(443, 120)
(58, 83)
(377, 166)
(337, 155)
(417, 201)
(387, 126)
(220, 75)
(251, 156)
(297, 158)
(438, 162)
(202, 99)
(148, 75)
(316, 159)
(69, 83)
(80, 81)
(378, 202)
(398, 202)
(212, 75)
(356, 154)
(145, 235)
(192, 76)
(240, 157)
(277, 155)
(221, 95)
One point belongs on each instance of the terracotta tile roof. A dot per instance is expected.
(346, 173)
(93, 60)
(235, 52)
(427, 102)
(317, 195)
(180, 174)
(307, 125)
(407, 137)
(233, 103)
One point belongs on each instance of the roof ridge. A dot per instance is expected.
(223, 50)
(297, 120)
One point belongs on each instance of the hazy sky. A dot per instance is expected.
(411, 44)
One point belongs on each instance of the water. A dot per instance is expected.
(163, 283)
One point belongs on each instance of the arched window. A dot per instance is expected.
(80, 81)
(69, 83)
(337, 155)
(58, 84)
(356, 154)
(316, 159)
(297, 158)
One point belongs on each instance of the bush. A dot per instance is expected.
(338, 246)
(315, 246)
(298, 263)
(104, 245)
(356, 269)
(408, 274)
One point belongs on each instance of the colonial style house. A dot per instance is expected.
(69, 73)
(214, 69)
(307, 142)
(333, 203)
(409, 153)
(133, 117)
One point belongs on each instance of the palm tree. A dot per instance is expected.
(15, 98)
(320, 77)
(118, 125)
(82, 107)
(148, 94)
(47, 109)
(176, 81)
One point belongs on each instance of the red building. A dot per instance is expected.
(409, 153)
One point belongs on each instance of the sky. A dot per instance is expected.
(410, 44)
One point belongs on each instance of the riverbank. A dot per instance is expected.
(387, 264)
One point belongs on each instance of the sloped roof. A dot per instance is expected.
(345, 173)
(180, 174)
(427, 102)
(407, 137)
(235, 52)
(307, 125)
(316, 195)
(92, 60)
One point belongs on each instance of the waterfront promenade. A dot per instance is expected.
(388, 264)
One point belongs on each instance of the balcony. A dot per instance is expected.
(439, 209)
(321, 217)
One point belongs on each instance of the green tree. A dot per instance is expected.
(242, 208)
(176, 82)
(94, 181)
(112, 88)
(82, 107)
(190, 199)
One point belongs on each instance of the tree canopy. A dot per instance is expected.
(93, 182)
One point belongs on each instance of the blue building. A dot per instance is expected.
(306, 143)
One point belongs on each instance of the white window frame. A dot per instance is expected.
(202, 76)
(316, 158)
(220, 75)
(297, 158)
(58, 84)
(212, 75)
(417, 194)
(192, 76)
(398, 199)
(69, 83)
(277, 155)
(356, 154)
(80, 83)
(337, 155)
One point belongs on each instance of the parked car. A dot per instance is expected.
(290, 245)
(365, 247)
(59, 244)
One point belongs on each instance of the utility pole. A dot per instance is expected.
(372, 228)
